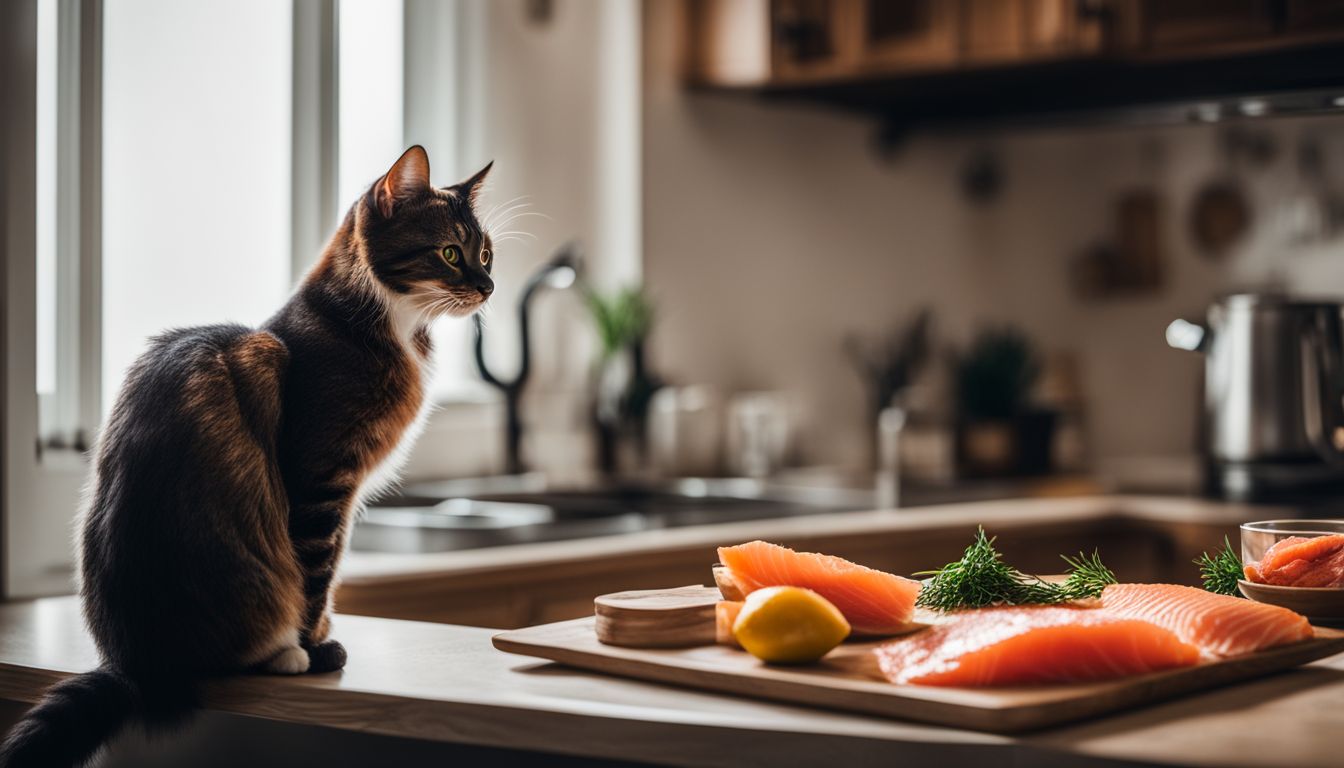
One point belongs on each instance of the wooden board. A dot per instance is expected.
(844, 679)
(657, 618)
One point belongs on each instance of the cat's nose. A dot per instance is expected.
(486, 288)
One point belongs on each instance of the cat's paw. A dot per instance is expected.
(327, 656)
(289, 661)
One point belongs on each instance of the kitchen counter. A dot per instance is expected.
(446, 684)
(1145, 538)
(361, 568)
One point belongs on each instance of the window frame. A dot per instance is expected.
(36, 473)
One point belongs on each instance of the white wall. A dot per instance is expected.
(773, 230)
(561, 121)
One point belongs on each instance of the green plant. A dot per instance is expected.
(994, 377)
(890, 365)
(622, 317)
(1221, 571)
(981, 578)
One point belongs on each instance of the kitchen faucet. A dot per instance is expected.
(559, 272)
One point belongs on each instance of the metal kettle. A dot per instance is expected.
(1273, 418)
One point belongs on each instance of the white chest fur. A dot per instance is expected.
(405, 322)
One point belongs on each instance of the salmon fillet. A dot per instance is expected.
(725, 616)
(1032, 645)
(1220, 625)
(874, 603)
(1301, 562)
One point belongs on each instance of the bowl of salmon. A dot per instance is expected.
(1297, 564)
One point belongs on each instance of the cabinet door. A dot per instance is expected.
(1026, 30)
(913, 34)
(1304, 18)
(993, 30)
(813, 38)
(1170, 24)
(1063, 27)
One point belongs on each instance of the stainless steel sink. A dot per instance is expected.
(454, 515)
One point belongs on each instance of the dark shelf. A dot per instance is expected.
(1135, 89)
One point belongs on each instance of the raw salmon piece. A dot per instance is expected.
(874, 603)
(1301, 562)
(1219, 624)
(725, 616)
(1032, 645)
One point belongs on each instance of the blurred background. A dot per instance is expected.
(813, 254)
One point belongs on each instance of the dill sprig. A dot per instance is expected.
(1222, 571)
(981, 578)
(1087, 577)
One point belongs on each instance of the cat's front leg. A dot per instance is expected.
(318, 533)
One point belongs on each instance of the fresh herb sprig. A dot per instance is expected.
(1087, 578)
(1222, 571)
(981, 578)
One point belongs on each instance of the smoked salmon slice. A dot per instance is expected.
(1032, 645)
(874, 602)
(725, 616)
(1219, 624)
(1301, 562)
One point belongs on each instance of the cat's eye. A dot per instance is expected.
(451, 255)
(485, 257)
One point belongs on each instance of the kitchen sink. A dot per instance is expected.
(456, 515)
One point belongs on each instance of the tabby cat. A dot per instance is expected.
(227, 475)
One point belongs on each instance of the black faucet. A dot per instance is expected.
(559, 272)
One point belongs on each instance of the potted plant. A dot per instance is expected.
(889, 366)
(623, 384)
(999, 432)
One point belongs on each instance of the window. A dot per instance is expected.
(196, 159)
(371, 94)
(59, 301)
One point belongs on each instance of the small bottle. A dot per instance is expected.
(890, 423)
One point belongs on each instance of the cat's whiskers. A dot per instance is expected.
(498, 219)
(439, 302)
(503, 215)
(501, 223)
(513, 234)
(497, 207)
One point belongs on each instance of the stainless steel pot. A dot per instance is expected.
(1273, 418)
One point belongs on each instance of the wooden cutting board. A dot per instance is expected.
(847, 678)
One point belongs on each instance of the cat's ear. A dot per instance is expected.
(470, 189)
(408, 177)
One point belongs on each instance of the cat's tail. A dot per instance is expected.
(80, 714)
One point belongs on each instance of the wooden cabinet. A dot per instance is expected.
(1309, 18)
(785, 43)
(1169, 25)
(813, 38)
(1006, 31)
(911, 35)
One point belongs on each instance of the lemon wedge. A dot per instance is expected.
(789, 625)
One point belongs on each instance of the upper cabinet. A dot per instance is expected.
(850, 50)
(911, 35)
(1174, 24)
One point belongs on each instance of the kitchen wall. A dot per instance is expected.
(559, 97)
(771, 231)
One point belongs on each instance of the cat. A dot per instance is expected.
(227, 475)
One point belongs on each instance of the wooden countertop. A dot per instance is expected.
(445, 683)
(370, 568)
